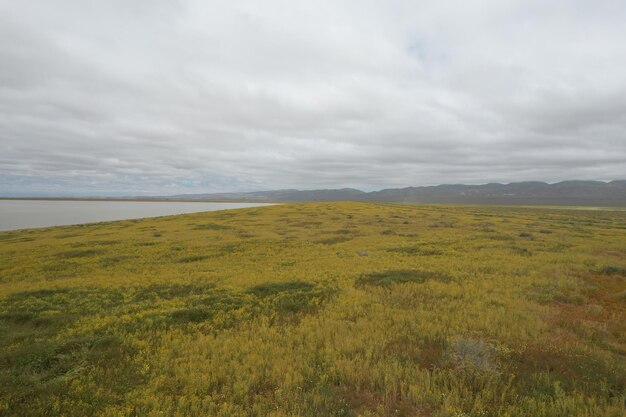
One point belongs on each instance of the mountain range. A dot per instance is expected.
(594, 193)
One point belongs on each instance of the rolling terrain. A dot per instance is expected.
(318, 309)
(576, 193)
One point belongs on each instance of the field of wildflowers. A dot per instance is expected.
(318, 309)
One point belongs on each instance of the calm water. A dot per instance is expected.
(20, 214)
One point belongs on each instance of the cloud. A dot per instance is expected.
(160, 97)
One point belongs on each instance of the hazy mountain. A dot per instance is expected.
(284, 195)
(567, 192)
(563, 193)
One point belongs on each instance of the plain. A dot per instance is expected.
(318, 309)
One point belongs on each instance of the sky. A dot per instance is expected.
(162, 97)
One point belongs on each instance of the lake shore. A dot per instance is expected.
(27, 214)
(136, 199)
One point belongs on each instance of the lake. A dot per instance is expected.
(21, 214)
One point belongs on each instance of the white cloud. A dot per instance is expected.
(192, 96)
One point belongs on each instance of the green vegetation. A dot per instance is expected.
(320, 309)
(388, 278)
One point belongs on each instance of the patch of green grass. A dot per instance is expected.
(552, 294)
(401, 276)
(306, 224)
(216, 308)
(192, 315)
(197, 258)
(521, 251)
(292, 296)
(39, 360)
(415, 250)
(275, 288)
(70, 254)
(146, 243)
(114, 260)
(211, 226)
(6, 236)
(333, 240)
(613, 270)
(343, 231)
(445, 224)
(227, 248)
(159, 292)
(62, 266)
(96, 243)
(67, 235)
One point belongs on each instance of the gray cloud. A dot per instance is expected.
(158, 97)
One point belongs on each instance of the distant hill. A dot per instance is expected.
(342, 194)
(588, 193)
(562, 193)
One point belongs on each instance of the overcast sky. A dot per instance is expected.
(128, 97)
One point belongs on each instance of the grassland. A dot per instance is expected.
(320, 309)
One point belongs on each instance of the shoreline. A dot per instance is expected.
(23, 214)
(182, 200)
(137, 200)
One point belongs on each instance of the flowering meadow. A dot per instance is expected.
(318, 309)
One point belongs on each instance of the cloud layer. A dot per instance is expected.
(168, 97)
